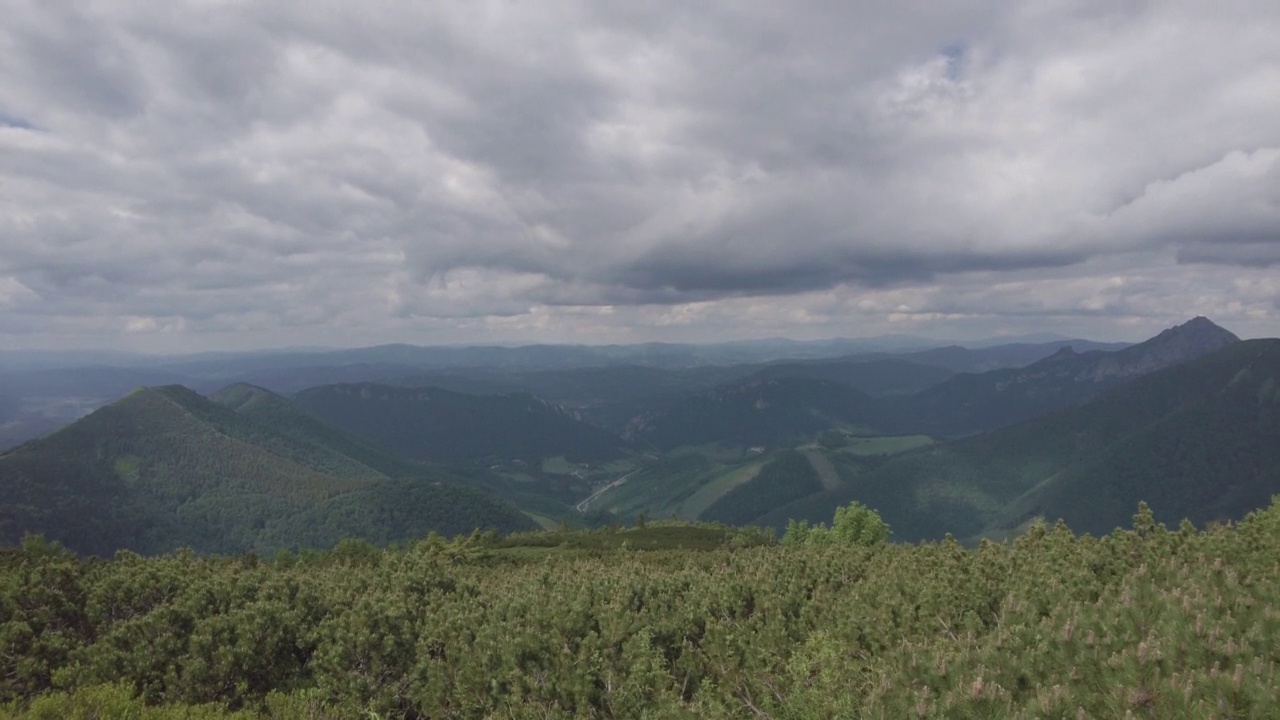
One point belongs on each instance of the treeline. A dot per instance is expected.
(1144, 622)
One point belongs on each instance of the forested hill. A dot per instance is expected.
(967, 403)
(432, 424)
(165, 467)
(1198, 441)
(265, 408)
(764, 411)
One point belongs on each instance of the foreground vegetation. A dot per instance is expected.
(1145, 622)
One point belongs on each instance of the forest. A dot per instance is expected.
(661, 620)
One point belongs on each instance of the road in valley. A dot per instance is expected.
(582, 506)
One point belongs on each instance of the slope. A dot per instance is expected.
(443, 426)
(764, 412)
(1198, 440)
(968, 404)
(165, 467)
(287, 420)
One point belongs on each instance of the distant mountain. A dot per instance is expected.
(878, 377)
(968, 404)
(607, 384)
(763, 411)
(444, 426)
(996, 357)
(1199, 440)
(166, 467)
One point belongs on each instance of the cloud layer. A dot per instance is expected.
(239, 174)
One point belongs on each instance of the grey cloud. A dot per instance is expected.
(384, 164)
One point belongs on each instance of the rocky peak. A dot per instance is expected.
(1193, 339)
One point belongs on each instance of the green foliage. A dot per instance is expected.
(443, 426)
(1200, 440)
(764, 412)
(166, 468)
(1144, 622)
(788, 477)
(855, 524)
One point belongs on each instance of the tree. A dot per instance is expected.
(854, 524)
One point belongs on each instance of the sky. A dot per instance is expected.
(235, 175)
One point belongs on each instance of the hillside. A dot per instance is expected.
(878, 377)
(287, 420)
(1199, 440)
(969, 403)
(444, 426)
(607, 396)
(165, 467)
(764, 412)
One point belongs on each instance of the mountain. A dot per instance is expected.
(1200, 440)
(607, 396)
(443, 426)
(878, 377)
(165, 467)
(996, 357)
(969, 403)
(764, 411)
(289, 421)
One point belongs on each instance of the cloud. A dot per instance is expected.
(458, 171)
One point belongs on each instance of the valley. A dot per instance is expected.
(1184, 421)
(607, 540)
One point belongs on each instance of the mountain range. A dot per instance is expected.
(1185, 421)
(1199, 440)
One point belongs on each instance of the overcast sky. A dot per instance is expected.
(202, 175)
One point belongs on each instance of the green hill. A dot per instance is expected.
(443, 426)
(764, 412)
(289, 421)
(787, 477)
(1199, 440)
(166, 467)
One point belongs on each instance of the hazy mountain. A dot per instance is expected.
(166, 467)
(879, 377)
(1199, 440)
(608, 384)
(968, 403)
(763, 411)
(1007, 355)
(444, 426)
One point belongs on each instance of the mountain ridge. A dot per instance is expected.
(165, 467)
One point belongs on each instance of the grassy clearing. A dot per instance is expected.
(888, 445)
(545, 521)
(715, 489)
(822, 465)
(557, 465)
